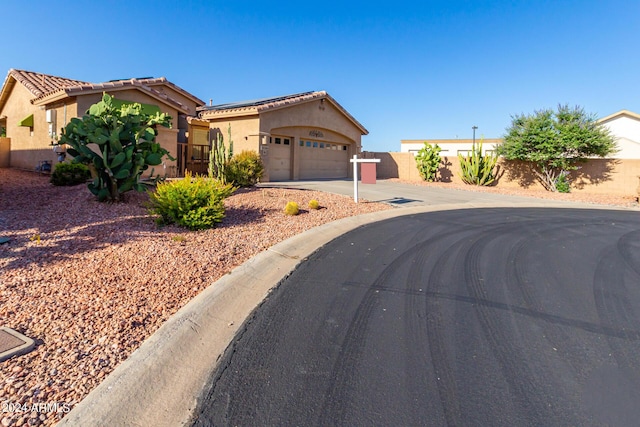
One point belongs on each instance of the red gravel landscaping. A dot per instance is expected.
(91, 281)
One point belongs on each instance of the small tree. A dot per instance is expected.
(428, 161)
(117, 144)
(556, 142)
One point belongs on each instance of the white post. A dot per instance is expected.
(355, 178)
(355, 162)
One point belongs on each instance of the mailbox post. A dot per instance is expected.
(355, 162)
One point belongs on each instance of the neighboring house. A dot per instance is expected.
(300, 136)
(34, 107)
(450, 147)
(625, 127)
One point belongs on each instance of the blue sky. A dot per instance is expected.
(405, 70)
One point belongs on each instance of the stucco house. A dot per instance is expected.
(299, 136)
(625, 127)
(34, 107)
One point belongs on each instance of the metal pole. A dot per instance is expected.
(355, 178)
(474, 134)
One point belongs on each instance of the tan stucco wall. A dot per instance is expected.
(167, 139)
(86, 101)
(597, 176)
(311, 114)
(28, 148)
(307, 121)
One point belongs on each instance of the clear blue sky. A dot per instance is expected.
(405, 70)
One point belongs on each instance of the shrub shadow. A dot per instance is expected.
(594, 171)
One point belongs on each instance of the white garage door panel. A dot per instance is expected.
(323, 163)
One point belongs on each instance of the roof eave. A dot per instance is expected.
(163, 80)
(51, 97)
(239, 112)
(74, 92)
(314, 97)
(617, 114)
(7, 86)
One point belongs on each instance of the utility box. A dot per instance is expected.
(51, 116)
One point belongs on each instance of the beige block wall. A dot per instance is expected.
(597, 176)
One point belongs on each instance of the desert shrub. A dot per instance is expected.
(313, 204)
(562, 183)
(245, 169)
(291, 208)
(195, 203)
(70, 174)
(428, 161)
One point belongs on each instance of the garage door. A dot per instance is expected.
(323, 160)
(279, 158)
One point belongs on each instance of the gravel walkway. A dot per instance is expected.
(91, 281)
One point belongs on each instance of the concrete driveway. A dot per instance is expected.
(408, 195)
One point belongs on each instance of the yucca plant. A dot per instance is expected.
(478, 168)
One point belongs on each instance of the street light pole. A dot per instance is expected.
(474, 134)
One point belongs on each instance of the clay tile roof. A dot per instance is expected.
(40, 84)
(84, 88)
(263, 102)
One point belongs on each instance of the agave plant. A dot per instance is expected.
(478, 168)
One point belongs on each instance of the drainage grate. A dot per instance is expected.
(13, 343)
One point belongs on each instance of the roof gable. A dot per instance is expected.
(46, 88)
(113, 86)
(621, 113)
(274, 103)
(39, 84)
(36, 83)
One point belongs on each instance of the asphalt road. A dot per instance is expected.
(484, 317)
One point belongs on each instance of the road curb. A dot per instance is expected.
(160, 383)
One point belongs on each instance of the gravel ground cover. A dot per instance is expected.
(629, 200)
(91, 281)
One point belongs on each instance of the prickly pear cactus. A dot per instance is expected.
(117, 144)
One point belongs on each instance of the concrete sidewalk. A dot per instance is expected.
(160, 383)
